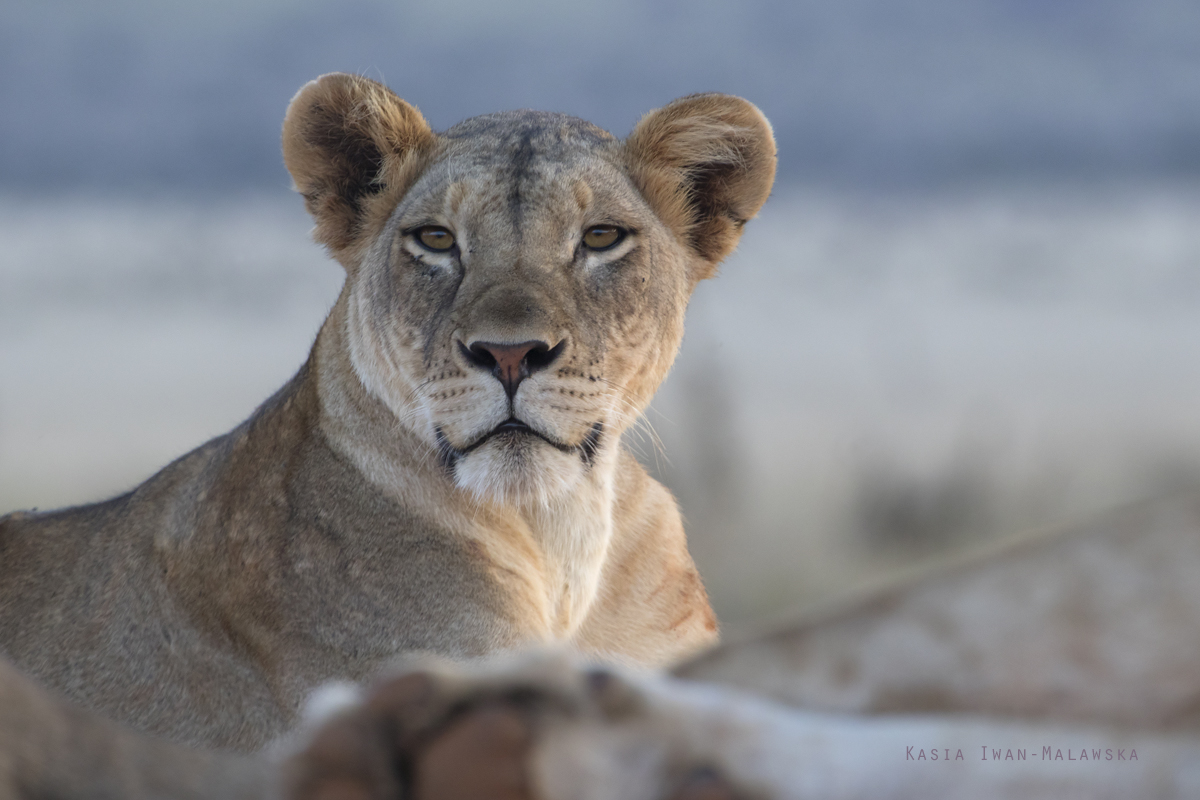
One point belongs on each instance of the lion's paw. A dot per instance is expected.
(539, 728)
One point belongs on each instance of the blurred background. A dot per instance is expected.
(971, 309)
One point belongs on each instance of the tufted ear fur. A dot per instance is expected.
(705, 163)
(349, 142)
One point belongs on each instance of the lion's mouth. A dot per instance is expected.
(515, 428)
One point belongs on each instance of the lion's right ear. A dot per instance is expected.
(347, 139)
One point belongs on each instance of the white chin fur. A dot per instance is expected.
(531, 474)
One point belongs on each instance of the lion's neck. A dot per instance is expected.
(558, 550)
(574, 535)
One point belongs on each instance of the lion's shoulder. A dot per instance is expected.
(653, 604)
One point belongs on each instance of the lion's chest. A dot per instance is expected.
(364, 587)
(334, 610)
(331, 578)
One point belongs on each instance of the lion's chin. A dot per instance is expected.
(518, 471)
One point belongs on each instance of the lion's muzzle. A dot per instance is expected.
(511, 363)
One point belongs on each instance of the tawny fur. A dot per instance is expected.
(361, 512)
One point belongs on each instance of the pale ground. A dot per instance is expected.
(867, 383)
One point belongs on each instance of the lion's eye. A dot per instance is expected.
(435, 237)
(602, 237)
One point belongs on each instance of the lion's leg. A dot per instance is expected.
(50, 748)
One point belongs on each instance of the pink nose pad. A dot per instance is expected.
(511, 363)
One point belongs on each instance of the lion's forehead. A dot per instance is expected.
(524, 180)
(526, 154)
(514, 129)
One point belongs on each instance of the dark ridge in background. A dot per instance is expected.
(142, 95)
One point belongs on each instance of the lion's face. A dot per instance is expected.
(517, 284)
(521, 304)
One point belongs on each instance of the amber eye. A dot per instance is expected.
(435, 238)
(602, 237)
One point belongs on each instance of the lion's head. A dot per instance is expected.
(517, 284)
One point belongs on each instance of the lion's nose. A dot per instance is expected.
(511, 363)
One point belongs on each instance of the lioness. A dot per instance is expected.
(445, 473)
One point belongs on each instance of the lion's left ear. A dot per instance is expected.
(345, 139)
(706, 164)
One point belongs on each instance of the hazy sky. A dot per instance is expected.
(190, 96)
